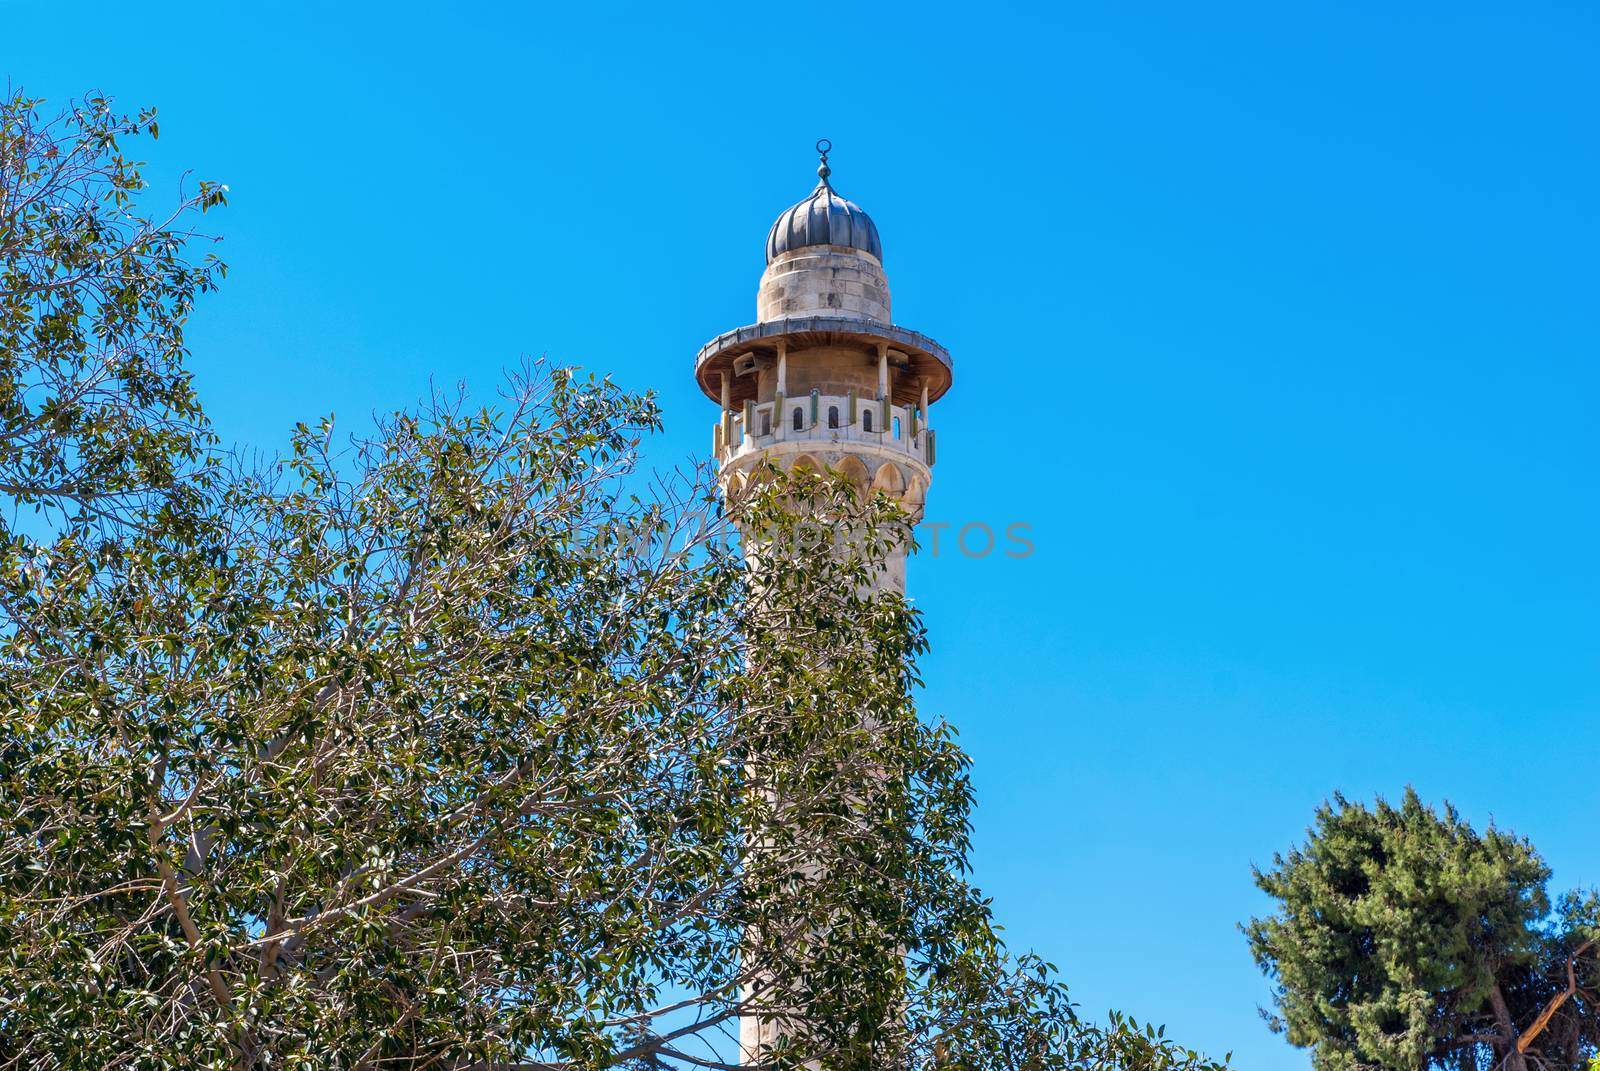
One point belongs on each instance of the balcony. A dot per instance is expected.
(825, 420)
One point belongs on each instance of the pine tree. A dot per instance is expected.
(1404, 939)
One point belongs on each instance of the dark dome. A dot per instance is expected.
(824, 218)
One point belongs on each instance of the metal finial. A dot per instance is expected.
(824, 146)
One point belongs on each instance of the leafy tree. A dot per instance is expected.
(1405, 939)
(438, 747)
(95, 404)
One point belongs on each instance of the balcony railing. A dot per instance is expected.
(823, 419)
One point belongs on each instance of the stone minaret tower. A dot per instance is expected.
(824, 377)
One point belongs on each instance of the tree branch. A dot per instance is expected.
(1556, 1001)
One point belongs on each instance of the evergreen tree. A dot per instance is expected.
(1405, 939)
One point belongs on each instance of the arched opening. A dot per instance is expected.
(766, 422)
(889, 480)
(833, 416)
(916, 495)
(807, 463)
(799, 419)
(897, 427)
(866, 420)
(855, 471)
(763, 473)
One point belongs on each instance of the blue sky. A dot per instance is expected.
(1277, 323)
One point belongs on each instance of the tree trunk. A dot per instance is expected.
(1507, 1050)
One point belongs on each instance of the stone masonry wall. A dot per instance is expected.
(827, 369)
(823, 279)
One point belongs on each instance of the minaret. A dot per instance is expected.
(823, 378)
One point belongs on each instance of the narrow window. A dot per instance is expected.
(866, 420)
(833, 416)
(766, 422)
(897, 427)
(799, 419)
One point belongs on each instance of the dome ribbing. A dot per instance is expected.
(824, 218)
